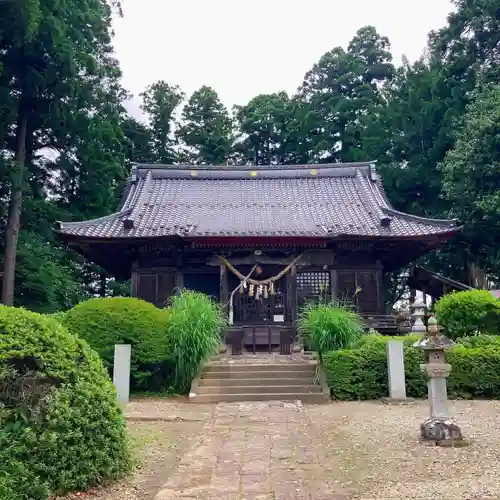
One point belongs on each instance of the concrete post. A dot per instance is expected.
(121, 372)
(396, 369)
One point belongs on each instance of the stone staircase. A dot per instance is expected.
(223, 382)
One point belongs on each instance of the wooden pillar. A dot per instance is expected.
(380, 291)
(333, 283)
(178, 275)
(292, 306)
(224, 292)
(134, 282)
(178, 281)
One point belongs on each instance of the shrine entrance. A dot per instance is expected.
(252, 306)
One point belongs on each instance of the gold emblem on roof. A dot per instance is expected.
(253, 173)
(193, 173)
(314, 171)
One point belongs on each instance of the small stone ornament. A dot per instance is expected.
(439, 427)
(418, 317)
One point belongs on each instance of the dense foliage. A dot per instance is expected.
(361, 372)
(60, 426)
(431, 124)
(472, 312)
(125, 320)
(195, 324)
(327, 326)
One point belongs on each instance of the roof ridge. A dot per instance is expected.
(138, 200)
(245, 168)
(371, 198)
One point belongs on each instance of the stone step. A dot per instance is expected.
(256, 373)
(259, 381)
(259, 389)
(299, 367)
(309, 398)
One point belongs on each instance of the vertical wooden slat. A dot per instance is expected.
(346, 284)
(147, 287)
(166, 285)
(367, 297)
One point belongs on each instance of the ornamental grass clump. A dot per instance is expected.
(61, 428)
(329, 326)
(194, 327)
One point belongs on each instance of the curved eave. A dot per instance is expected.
(445, 223)
(445, 234)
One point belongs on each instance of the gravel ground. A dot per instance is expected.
(374, 451)
(369, 449)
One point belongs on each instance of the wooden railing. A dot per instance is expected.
(386, 324)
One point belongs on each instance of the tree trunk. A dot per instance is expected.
(102, 284)
(15, 207)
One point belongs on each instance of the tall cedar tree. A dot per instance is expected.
(48, 49)
(472, 177)
(160, 101)
(206, 130)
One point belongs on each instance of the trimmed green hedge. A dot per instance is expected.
(104, 322)
(60, 426)
(361, 373)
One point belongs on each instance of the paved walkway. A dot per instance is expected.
(254, 451)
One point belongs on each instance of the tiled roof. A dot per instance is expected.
(302, 200)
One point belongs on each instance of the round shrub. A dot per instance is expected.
(61, 428)
(467, 313)
(104, 322)
(329, 326)
(195, 324)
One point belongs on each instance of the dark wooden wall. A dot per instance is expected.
(317, 273)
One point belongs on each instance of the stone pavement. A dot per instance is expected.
(254, 451)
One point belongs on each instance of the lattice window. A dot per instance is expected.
(313, 283)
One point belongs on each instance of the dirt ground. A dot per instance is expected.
(159, 446)
(358, 451)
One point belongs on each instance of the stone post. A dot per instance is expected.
(439, 427)
(396, 369)
(418, 317)
(121, 372)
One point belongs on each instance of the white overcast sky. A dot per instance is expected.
(243, 48)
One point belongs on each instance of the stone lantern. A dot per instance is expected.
(439, 427)
(418, 316)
